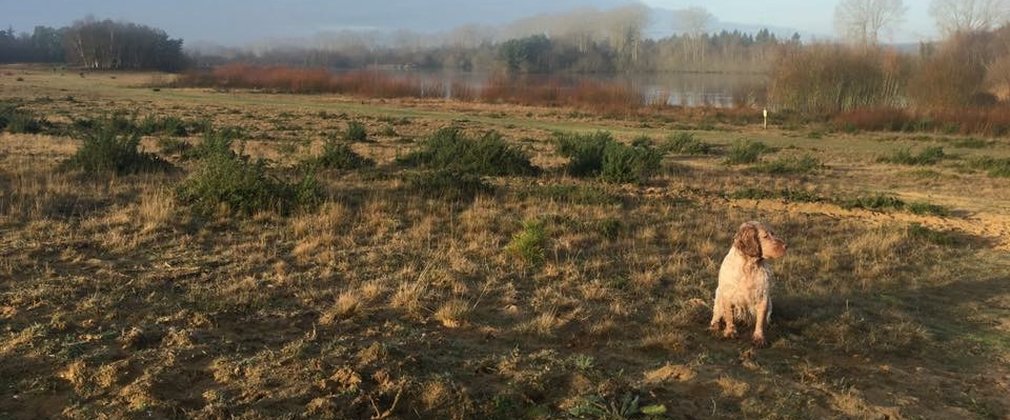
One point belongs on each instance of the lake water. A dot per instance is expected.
(676, 89)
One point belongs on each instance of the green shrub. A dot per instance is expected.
(488, 155)
(634, 164)
(168, 126)
(214, 142)
(356, 131)
(107, 150)
(742, 152)
(447, 184)
(339, 155)
(243, 186)
(584, 151)
(790, 165)
(929, 156)
(528, 245)
(686, 144)
(598, 154)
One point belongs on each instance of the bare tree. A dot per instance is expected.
(953, 16)
(860, 21)
(693, 21)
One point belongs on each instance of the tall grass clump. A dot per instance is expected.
(928, 156)
(743, 152)
(356, 132)
(598, 154)
(232, 181)
(487, 155)
(106, 149)
(529, 244)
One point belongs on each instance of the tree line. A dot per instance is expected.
(97, 45)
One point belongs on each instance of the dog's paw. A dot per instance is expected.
(729, 333)
(759, 340)
(715, 327)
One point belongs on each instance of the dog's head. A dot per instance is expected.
(755, 240)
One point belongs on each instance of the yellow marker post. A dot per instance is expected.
(766, 118)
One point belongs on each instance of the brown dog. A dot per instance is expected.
(745, 281)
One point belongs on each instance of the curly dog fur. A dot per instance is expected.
(745, 281)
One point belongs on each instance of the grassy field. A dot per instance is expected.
(400, 291)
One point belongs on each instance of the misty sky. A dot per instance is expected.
(237, 22)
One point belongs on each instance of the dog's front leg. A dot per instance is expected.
(762, 318)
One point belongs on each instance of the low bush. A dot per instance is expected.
(742, 152)
(629, 164)
(105, 149)
(339, 155)
(489, 155)
(356, 132)
(584, 151)
(598, 154)
(214, 142)
(686, 144)
(928, 156)
(230, 180)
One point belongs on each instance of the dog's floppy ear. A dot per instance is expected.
(747, 241)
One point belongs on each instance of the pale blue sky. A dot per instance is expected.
(235, 22)
(813, 16)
